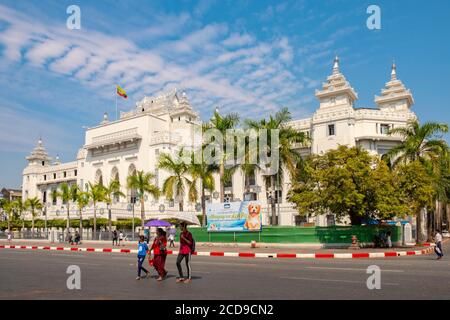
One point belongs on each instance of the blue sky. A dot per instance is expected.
(248, 56)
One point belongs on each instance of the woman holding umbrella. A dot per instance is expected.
(159, 248)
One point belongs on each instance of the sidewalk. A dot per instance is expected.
(217, 249)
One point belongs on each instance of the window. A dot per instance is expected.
(43, 163)
(54, 176)
(65, 174)
(75, 172)
(250, 196)
(331, 130)
(179, 118)
(45, 177)
(384, 128)
(44, 197)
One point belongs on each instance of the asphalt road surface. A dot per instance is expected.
(26, 274)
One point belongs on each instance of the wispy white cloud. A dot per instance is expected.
(217, 66)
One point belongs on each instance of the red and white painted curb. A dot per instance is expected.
(354, 255)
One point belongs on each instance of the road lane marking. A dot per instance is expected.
(226, 264)
(337, 280)
(351, 269)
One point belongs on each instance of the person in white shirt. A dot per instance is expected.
(120, 238)
(438, 247)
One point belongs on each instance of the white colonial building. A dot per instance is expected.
(116, 149)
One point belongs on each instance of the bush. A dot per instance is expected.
(56, 223)
(39, 223)
(127, 223)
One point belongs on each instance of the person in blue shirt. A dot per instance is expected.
(142, 252)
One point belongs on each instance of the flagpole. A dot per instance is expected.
(117, 117)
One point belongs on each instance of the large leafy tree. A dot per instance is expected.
(417, 189)
(175, 185)
(142, 183)
(96, 194)
(222, 123)
(349, 183)
(289, 156)
(34, 205)
(112, 191)
(423, 143)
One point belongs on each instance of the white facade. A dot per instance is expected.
(115, 149)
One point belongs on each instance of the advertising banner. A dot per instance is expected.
(234, 216)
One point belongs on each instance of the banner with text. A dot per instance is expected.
(234, 216)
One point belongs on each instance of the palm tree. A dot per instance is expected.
(421, 143)
(19, 209)
(67, 194)
(222, 123)
(8, 208)
(288, 156)
(33, 204)
(142, 183)
(96, 193)
(174, 185)
(203, 173)
(112, 191)
(82, 200)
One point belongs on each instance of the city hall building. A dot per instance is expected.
(166, 123)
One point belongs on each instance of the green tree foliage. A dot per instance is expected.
(349, 183)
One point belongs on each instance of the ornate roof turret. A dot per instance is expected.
(38, 154)
(336, 85)
(394, 95)
(105, 118)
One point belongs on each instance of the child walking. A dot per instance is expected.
(142, 252)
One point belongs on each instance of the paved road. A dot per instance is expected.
(26, 274)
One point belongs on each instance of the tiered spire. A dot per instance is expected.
(393, 71)
(39, 153)
(394, 94)
(336, 85)
(336, 65)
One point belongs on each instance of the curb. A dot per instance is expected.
(357, 255)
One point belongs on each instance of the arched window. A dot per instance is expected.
(131, 193)
(115, 176)
(98, 177)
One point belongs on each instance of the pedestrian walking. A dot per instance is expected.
(77, 238)
(159, 248)
(69, 238)
(388, 239)
(187, 247)
(114, 238)
(438, 247)
(9, 236)
(142, 252)
(120, 238)
(172, 232)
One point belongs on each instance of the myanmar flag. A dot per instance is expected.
(121, 92)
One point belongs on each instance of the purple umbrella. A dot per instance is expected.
(157, 223)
